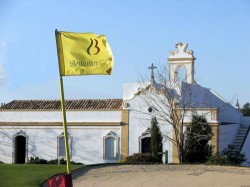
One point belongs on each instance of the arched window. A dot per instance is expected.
(110, 146)
(181, 74)
(61, 153)
(20, 148)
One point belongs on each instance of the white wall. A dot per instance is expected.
(245, 120)
(227, 135)
(56, 116)
(129, 89)
(139, 122)
(87, 145)
(202, 97)
(245, 149)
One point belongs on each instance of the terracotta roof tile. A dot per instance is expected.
(81, 104)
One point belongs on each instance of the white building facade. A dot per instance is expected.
(106, 131)
(34, 129)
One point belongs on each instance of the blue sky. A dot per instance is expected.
(139, 33)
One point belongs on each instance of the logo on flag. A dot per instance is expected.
(96, 46)
(83, 54)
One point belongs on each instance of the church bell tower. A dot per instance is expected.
(181, 64)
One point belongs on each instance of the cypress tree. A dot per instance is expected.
(198, 135)
(156, 139)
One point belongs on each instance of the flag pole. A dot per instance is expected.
(66, 142)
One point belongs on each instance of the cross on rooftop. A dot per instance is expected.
(152, 67)
(237, 104)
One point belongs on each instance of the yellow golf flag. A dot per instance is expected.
(83, 54)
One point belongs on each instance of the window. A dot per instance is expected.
(111, 146)
(61, 146)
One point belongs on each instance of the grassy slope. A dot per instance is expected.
(28, 175)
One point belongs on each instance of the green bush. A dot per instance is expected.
(54, 161)
(141, 158)
(37, 161)
(218, 159)
(228, 157)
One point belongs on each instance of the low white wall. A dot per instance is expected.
(210, 117)
(87, 144)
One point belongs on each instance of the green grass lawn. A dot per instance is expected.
(29, 175)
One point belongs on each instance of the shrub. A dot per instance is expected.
(218, 159)
(228, 157)
(234, 157)
(141, 158)
(54, 161)
(61, 161)
(37, 161)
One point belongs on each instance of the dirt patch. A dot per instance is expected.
(162, 175)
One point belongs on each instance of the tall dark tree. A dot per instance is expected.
(156, 139)
(246, 109)
(198, 135)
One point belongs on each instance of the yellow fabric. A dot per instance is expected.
(83, 54)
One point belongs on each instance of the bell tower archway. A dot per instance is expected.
(181, 64)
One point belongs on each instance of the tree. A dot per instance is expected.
(246, 109)
(198, 135)
(156, 139)
(169, 100)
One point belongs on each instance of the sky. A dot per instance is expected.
(139, 32)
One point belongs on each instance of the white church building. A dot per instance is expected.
(107, 130)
